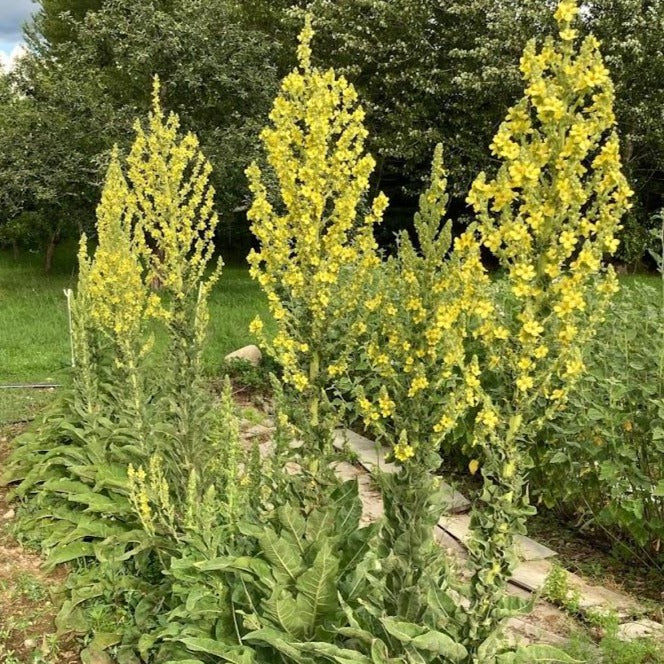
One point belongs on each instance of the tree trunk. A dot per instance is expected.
(50, 251)
(15, 249)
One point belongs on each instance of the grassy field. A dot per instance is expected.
(34, 337)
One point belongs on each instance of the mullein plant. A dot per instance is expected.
(415, 325)
(550, 214)
(172, 202)
(315, 232)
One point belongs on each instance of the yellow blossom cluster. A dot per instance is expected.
(552, 211)
(310, 239)
(424, 307)
(117, 298)
(172, 200)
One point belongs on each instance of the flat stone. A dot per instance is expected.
(456, 502)
(641, 629)
(598, 598)
(456, 525)
(258, 430)
(451, 546)
(9, 515)
(522, 632)
(531, 574)
(251, 354)
(529, 549)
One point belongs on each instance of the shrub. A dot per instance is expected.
(614, 450)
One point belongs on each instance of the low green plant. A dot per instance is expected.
(557, 590)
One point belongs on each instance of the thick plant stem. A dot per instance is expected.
(412, 508)
(496, 519)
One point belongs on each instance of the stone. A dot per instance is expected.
(29, 644)
(456, 525)
(529, 549)
(251, 354)
(641, 629)
(369, 453)
(521, 632)
(9, 515)
(258, 430)
(531, 574)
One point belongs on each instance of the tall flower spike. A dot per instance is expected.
(113, 278)
(315, 147)
(173, 202)
(550, 214)
(423, 306)
(554, 207)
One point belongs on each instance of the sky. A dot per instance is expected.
(13, 13)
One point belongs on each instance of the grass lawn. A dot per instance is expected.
(34, 337)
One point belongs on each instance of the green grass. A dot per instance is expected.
(34, 336)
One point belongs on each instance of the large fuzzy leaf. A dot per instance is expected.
(422, 638)
(234, 654)
(283, 611)
(541, 653)
(318, 587)
(280, 642)
(69, 552)
(284, 555)
(334, 653)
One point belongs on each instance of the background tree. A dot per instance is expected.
(85, 79)
(429, 71)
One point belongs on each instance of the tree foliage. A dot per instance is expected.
(428, 71)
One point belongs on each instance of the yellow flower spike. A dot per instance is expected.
(566, 11)
(172, 202)
(553, 209)
(315, 146)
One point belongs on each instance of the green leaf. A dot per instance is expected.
(104, 640)
(282, 610)
(402, 631)
(65, 554)
(333, 652)
(440, 644)
(235, 654)
(318, 587)
(537, 653)
(293, 522)
(276, 640)
(282, 554)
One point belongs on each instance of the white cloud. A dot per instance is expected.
(8, 60)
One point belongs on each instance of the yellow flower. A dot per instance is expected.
(488, 418)
(524, 383)
(256, 326)
(566, 11)
(574, 367)
(418, 384)
(403, 451)
(533, 328)
(473, 466)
